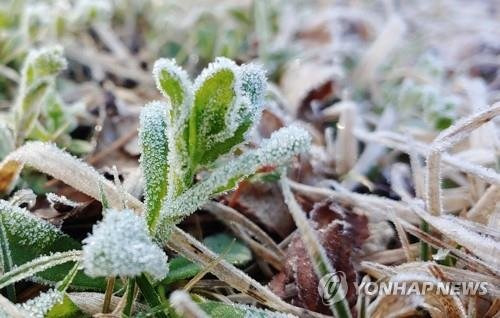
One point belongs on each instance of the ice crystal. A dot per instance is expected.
(120, 246)
(39, 306)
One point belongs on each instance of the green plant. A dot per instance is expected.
(215, 115)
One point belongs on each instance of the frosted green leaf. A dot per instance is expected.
(221, 310)
(154, 157)
(38, 265)
(120, 245)
(6, 263)
(30, 237)
(226, 104)
(38, 73)
(173, 82)
(277, 150)
(39, 306)
(210, 121)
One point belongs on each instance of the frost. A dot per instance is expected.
(233, 115)
(178, 88)
(26, 227)
(277, 150)
(253, 84)
(154, 155)
(44, 62)
(39, 70)
(120, 246)
(38, 307)
(60, 199)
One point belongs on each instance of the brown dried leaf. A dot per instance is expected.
(340, 231)
(263, 203)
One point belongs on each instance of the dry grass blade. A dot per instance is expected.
(228, 214)
(54, 162)
(400, 142)
(346, 146)
(185, 306)
(193, 250)
(444, 141)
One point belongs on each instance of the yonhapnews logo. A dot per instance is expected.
(333, 288)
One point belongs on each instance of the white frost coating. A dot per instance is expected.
(483, 246)
(283, 145)
(61, 199)
(39, 306)
(253, 88)
(154, 117)
(234, 114)
(174, 70)
(253, 84)
(120, 246)
(46, 61)
(51, 160)
(27, 227)
(254, 312)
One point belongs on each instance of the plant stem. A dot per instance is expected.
(107, 296)
(131, 291)
(424, 247)
(149, 293)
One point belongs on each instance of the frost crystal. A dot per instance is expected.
(277, 150)
(27, 227)
(120, 246)
(39, 306)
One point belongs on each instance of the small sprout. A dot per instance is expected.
(39, 306)
(120, 245)
(38, 73)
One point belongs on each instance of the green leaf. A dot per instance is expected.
(5, 258)
(151, 296)
(30, 237)
(39, 71)
(66, 309)
(154, 158)
(209, 119)
(222, 310)
(227, 103)
(238, 254)
(173, 82)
